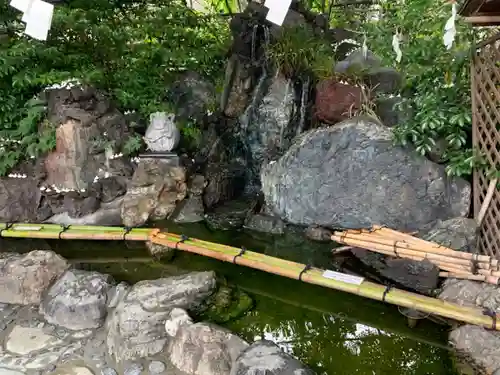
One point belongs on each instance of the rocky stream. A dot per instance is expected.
(280, 164)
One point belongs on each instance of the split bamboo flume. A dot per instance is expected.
(293, 270)
(456, 264)
(316, 276)
(73, 232)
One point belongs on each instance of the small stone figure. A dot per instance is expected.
(162, 134)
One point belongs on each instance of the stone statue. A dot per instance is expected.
(162, 134)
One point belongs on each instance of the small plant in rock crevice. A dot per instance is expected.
(298, 52)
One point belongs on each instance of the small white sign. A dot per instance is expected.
(278, 9)
(38, 19)
(345, 278)
(21, 5)
(26, 228)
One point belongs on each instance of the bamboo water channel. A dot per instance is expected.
(241, 256)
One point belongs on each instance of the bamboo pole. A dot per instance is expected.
(487, 200)
(315, 276)
(70, 233)
(55, 227)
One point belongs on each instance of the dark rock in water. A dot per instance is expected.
(319, 234)
(230, 215)
(458, 234)
(224, 182)
(192, 96)
(422, 277)
(19, 201)
(78, 206)
(190, 210)
(264, 223)
(352, 176)
(264, 357)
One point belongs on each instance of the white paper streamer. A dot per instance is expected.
(37, 15)
(278, 9)
(364, 48)
(450, 30)
(21, 5)
(39, 19)
(396, 40)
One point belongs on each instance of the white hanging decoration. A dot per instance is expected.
(364, 48)
(278, 9)
(450, 30)
(37, 15)
(396, 40)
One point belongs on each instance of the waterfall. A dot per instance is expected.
(303, 105)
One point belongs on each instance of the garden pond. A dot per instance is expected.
(333, 332)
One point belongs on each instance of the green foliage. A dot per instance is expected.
(437, 80)
(132, 50)
(299, 51)
(133, 145)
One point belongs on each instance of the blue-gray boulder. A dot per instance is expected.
(351, 175)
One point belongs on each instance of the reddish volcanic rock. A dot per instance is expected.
(335, 101)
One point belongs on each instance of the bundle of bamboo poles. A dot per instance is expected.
(453, 263)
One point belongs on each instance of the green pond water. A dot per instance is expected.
(333, 332)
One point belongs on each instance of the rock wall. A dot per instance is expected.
(60, 320)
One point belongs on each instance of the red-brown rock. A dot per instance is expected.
(335, 101)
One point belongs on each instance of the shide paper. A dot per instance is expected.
(278, 10)
(37, 15)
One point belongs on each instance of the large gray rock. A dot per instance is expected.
(205, 349)
(458, 234)
(351, 176)
(25, 277)
(479, 347)
(136, 327)
(78, 300)
(265, 358)
(422, 277)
